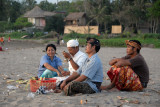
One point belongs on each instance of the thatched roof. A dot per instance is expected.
(75, 16)
(38, 12)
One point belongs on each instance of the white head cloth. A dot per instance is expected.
(72, 43)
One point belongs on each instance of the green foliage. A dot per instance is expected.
(63, 6)
(116, 41)
(154, 11)
(9, 10)
(5, 26)
(150, 35)
(16, 35)
(125, 35)
(113, 42)
(38, 34)
(22, 22)
(45, 5)
(55, 23)
(74, 35)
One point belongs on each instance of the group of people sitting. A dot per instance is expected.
(85, 75)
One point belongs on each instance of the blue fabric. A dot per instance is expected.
(48, 74)
(92, 68)
(46, 59)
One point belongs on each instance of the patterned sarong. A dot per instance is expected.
(126, 78)
(78, 87)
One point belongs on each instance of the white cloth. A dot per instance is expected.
(72, 43)
(59, 79)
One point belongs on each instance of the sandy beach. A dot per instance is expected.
(20, 60)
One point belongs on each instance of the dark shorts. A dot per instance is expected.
(79, 87)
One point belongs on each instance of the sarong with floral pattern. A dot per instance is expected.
(126, 78)
(78, 87)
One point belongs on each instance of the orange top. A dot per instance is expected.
(1, 39)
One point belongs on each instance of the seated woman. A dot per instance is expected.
(50, 63)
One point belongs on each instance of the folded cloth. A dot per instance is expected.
(59, 79)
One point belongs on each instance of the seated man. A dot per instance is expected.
(75, 59)
(88, 78)
(129, 73)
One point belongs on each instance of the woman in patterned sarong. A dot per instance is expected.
(129, 73)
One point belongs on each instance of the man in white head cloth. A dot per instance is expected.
(75, 58)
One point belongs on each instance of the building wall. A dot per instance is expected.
(82, 21)
(81, 29)
(116, 29)
(32, 20)
(40, 22)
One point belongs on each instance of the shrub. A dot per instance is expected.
(38, 34)
(155, 36)
(17, 35)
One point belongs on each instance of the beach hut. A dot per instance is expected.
(37, 17)
(77, 22)
(76, 18)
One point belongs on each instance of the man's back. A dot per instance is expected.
(93, 70)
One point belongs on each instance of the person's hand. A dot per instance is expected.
(65, 88)
(59, 74)
(119, 64)
(63, 84)
(63, 73)
(66, 73)
(66, 55)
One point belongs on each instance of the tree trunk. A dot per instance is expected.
(105, 27)
(156, 26)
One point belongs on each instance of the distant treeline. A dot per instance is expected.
(104, 13)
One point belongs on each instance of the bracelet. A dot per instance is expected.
(69, 59)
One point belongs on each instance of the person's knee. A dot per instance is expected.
(47, 73)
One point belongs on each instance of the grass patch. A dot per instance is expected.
(145, 39)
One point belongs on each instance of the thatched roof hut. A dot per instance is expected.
(38, 12)
(75, 16)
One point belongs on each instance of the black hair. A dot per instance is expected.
(138, 42)
(95, 43)
(51, 45)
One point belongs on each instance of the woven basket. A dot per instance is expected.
(50, 83)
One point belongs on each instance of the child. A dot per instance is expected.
(2, 41)
(9, 39)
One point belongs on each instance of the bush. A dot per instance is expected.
(5, 26)
(74, 35)
(38, 34)
(22, 22)
(155, 36)
(17, 35)
(125, 35)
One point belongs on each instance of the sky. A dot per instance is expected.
(51, 1)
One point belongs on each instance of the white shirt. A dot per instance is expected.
(79, 59)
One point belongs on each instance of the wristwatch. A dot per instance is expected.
(70, 59)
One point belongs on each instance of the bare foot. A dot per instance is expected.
(103, 87)
(57, 91)
(114, 90)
